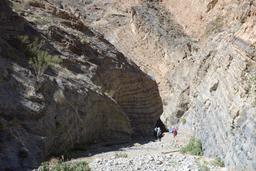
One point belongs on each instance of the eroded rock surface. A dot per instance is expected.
(202, 55)
(95, 94)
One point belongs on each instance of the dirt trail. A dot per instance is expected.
(147, 155)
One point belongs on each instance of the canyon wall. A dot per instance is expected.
(202, 55)
(93, 95)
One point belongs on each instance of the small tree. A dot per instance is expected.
(39, 59)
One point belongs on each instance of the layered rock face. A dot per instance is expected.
(222, 92)
(94, 94)
(202, 55)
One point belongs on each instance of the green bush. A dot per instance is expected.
(214, 26)
(39, 59)
(203, 167)
(183, 120)
(121, 155)
(83, 41)
(61, 166)
(194, 147)
(218, 162)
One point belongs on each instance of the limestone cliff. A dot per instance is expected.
(202, 55)
(94, 94)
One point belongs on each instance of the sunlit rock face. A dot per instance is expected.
(202, 55)
(95, 94)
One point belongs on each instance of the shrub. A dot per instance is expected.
(194, 147)
(41, 20)
(121, 155)
(183, 120)
(218, 162)
(214, 26)
(83, 41)
(61, 166)
(203, 167)
(39, 59)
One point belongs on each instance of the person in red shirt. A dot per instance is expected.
(174, 131)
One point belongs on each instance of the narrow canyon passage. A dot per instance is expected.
(84, 73)
(147, 154)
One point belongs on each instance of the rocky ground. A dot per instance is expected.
(147, 155)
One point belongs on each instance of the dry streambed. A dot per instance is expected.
(151, 155)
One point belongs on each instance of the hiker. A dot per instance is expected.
(155, 132)
(174, 131)
(159, 133)
(170, 130)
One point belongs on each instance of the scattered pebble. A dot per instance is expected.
(151, 156)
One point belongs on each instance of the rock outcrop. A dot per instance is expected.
(202, 55)
(95, 94)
